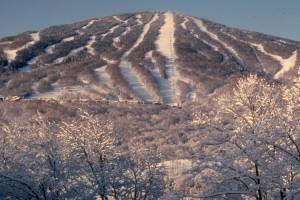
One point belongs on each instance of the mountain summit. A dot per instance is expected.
(161, 57)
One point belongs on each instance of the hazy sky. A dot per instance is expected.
(276, 17)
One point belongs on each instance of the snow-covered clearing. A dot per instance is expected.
(131, 76)
(72, 53)
(68, 39)
(142, 36)
(203, 28)
(12, 53)
(118, 18)
(139, 17)
(89, 45)
(183, 24)
(89, 24)
(166, 39)
(166, 45)
(61, 92)
(111, 30)
(103, 76)
(177, 167)
(134, 81)
(286, 63)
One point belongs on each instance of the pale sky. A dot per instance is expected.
(275, 17)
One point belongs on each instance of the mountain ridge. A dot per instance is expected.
(158, 57)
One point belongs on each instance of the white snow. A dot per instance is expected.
(111, 30)
(177, 167)
(142, 36)
(287, 64)
(89, 24)
(134, 81)
(89, 47)
(72, 53)
(166, 39)
(139, 17)
(165, 44)
(118, 18)
(12, 53)
(203, 28)
(50, 49)
(183, 24)
(103, 76)
(131, 75)
(5, 42)
(68, 39)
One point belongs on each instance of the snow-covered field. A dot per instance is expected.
(183, 24)
(134, 81)
(142, 36)
(89, 45)
(286, 63)
(12, 53)
(166, 45)
(203, 28)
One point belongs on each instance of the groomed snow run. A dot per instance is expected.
(12, 53)
(89, 24)
(89, 45)
(183, 24)
(166, 45)
(142, 36)
(134, 81)
(103, 76)
(118, 18)
(287, 64)
(166, 39)
(131, 75)
(139, 17)
(203, 28)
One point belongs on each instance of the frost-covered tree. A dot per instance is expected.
(90, 144)
(32, 165)
(251, 142)
(138, 174)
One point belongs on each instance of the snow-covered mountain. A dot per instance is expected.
(160, 57)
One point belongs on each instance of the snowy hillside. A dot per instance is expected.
(158, 57)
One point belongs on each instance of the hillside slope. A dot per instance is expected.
(160, 57)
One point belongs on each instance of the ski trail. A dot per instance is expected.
(165, 44)
(142, 36)
(287, 64)
(183, 24)
(134, 81)
(139, 17)
(12, 53)
(130, 74)
(68, 39)
(111, 30)
(118, 18)
(203, 28)
(103, 76)
(214, 47)
(72, 53)
(166, 39)
(89, 45)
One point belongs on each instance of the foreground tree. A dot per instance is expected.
(252, 155)
(75, 159)
(91, 142)
(32, 165)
